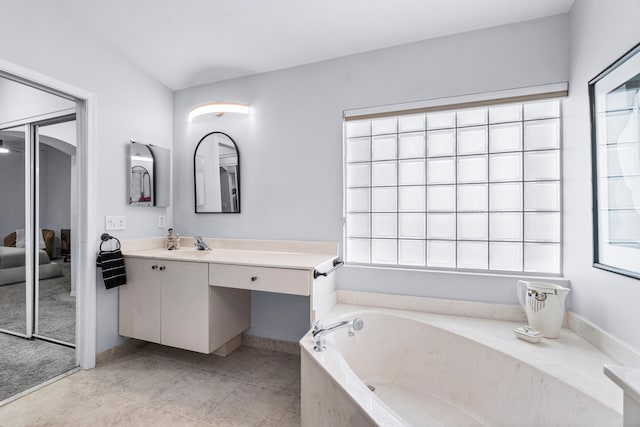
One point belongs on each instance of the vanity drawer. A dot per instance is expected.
(280, 280)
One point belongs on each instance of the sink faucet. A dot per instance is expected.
(319, 332)
(200, 244)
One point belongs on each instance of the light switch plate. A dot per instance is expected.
(115, 222)
(161, 221)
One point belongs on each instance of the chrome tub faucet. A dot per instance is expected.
(200, 244)
(319, 331)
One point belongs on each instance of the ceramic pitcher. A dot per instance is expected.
(544, 305)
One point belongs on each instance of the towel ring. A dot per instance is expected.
(105, 237)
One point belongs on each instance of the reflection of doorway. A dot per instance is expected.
(228, 189)
(65, 244)
(140, 185)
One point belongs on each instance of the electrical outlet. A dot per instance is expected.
(115, 223)
(161, 221)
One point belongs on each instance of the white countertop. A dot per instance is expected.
(628, 379)
(297, 255)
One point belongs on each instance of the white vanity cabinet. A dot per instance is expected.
(281, 280)
(171, 303)
(201, 300)
(267, 279)
(139, 300)
(184, 305)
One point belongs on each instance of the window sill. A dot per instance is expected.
(559, 279)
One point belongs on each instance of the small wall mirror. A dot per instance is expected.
(149, 175)
(216, 165)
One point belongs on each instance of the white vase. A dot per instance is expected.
(544, 305)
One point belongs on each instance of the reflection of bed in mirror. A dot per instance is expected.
(12, 260)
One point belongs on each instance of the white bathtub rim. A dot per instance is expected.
(330, 361)
(593, 384)
(618, 350)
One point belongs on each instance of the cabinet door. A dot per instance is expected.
(139, 300)
(185, 305)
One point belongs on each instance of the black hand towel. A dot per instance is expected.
(113, 272)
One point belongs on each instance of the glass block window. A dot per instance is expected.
(471, 189)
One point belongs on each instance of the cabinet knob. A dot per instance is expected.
(254, 278)
(154, 267)
(162, 267)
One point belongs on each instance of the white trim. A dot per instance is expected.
(38, 387)
(477, 97)
(619, 351)
(454, 307)
(29, 233)
(86, 241)
(34, 134)
(84, 238)
(38, 118)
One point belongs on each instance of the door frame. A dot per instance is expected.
(83, 216)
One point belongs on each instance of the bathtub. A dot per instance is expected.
(419, 369)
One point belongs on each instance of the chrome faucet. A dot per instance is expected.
(319, 332)
(200, 244)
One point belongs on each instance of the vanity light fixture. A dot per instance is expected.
(218, 108)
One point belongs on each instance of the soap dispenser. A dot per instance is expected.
(173, 240)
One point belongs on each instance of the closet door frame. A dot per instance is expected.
(83, 215)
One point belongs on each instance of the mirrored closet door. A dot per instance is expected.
(38, 194)
(14, 294)
(55, 302)
(37, 290)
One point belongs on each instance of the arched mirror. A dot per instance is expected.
(216, 166)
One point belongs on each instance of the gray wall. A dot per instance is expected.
(291, 146)
(130, 105)
(55, 190)
(601, 32)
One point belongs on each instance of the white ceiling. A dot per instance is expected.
(187, 43)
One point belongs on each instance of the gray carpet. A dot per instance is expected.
(57, 317)
(27, 363)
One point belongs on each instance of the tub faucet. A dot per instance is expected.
(319, 331)
(200, 244)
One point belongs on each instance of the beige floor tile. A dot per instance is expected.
(138, 414)
(139, 377)
(69, 398)
(185, 357)
(280, 371)
(243, 364)
(158, 387)
(292, 418)
(195, 393)
(251, 405)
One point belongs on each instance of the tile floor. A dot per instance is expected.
(161, 386)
